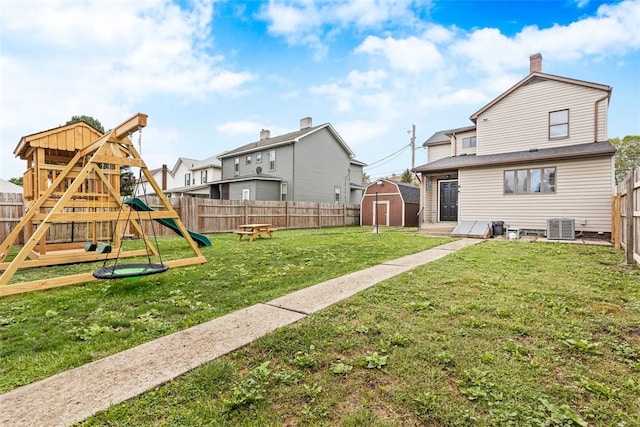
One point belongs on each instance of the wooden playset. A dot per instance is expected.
(73, 177)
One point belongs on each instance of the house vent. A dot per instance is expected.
(561, 229)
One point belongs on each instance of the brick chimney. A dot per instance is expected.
(265, 134)
(535, 63)
(305, 123)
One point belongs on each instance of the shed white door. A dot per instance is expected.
(381, 214)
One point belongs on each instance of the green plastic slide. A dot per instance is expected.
(139, 205)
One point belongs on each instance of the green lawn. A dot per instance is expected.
(46, 332)
(497, 334)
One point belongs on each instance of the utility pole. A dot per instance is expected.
(413, 146)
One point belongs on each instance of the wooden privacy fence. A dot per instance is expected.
(11, 211)
(625, 217)
(217, 216)
(200, 215)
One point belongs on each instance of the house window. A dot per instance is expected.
(336, 193)
(559, 124)
(249, 159)
(509, 182)
(283, 192)
(272, 160)
(187, 179)
(203, 177)
(469, 142)
(258, 157)
(528, 181)
(236, 166)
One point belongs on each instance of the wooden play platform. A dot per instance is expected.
(73, 177)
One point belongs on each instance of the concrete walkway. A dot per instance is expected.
(75, 395)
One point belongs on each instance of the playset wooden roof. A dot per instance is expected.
(70, 138)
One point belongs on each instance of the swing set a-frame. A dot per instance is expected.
(73, 177)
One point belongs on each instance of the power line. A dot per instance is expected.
(387, 158)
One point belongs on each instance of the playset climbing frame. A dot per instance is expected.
(73, 176)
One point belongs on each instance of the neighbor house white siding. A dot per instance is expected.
(520, 121)
(577, 196)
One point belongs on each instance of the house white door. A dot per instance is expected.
(246, 194)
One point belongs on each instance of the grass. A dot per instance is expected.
(46, 332)
(497, 334)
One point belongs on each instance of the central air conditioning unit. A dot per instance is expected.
(561, 229)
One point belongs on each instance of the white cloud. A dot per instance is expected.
(240, 127)
(410, 54)
(611, 32)
(339, 94)
(315, 23)
(118, 53)
(250, 130)
(358, 132)
(367, 79)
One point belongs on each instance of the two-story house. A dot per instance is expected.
(312, 164)
(162, 176)
(190, 177)
(538, 151)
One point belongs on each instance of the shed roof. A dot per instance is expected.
(410, 193)
(591, 149)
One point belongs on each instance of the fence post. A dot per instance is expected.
(286, 214)
(630, 220)
(616, 219)
(344, 214)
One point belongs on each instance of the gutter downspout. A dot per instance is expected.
(595, 113)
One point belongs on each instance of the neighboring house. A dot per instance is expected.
(9, 187)
(538, 151)
(397, 204)
(190, 177)
(311, 164)
(162, 176)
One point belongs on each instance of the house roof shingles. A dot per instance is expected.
(444, 136)
(592, 149)
(286, 139)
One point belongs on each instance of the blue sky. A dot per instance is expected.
(212, 74)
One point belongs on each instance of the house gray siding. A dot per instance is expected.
(320, 165)
(312, 162)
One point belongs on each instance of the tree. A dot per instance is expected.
(406, 176)
(366, 178)
(127, 181)
(16, 181)
(627, 158)
(95, 123)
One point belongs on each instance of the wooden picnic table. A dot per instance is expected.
(254, 230)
